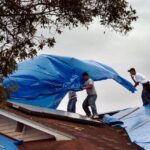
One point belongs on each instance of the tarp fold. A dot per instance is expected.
(136, 122)
(45, 80)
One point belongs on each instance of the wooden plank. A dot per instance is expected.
(59, 135)
(8, 126)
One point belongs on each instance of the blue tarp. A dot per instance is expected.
(136, 122)
(45, 80)
(8, 144)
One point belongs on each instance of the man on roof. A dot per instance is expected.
(91, 96)
(139, 78)
(71, 107)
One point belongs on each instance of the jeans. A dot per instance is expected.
(146, 94)
(72, 105)
(90, 102)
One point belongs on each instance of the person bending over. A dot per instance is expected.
(139, 78)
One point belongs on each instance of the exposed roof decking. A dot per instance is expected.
(87, 137)
(31, 123)
(8, 127)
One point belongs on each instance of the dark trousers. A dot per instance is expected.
(72, 105)
(90, 102)
(146, 93)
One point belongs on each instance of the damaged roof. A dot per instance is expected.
(87, 137)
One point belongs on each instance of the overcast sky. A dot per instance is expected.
(113, 49)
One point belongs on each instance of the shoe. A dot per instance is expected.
(89, 116)
(95, 117)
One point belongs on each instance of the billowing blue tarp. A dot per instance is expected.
(136, 122)
(8, 144)
(45, 80)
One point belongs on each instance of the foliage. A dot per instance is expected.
(22, 20)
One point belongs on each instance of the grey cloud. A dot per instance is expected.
(120, 52)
